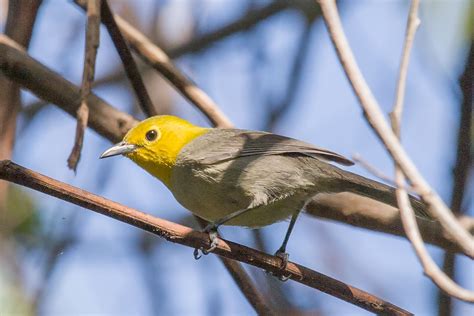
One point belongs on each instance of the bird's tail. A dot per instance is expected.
(346, 181)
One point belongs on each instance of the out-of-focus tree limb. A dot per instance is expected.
(176, 233)
(19, 26)
(113, 124)
(244, 23)
(461, 167)
(366, 213)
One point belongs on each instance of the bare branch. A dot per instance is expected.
(128, 62)
(375, 117)
(186, 236)
(92, 44)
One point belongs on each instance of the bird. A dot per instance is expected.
(238, 177)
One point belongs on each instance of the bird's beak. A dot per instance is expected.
(118, 149)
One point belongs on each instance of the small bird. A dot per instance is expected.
(241, 177)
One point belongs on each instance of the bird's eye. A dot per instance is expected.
(151, 135)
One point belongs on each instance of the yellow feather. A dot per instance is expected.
(159, 156)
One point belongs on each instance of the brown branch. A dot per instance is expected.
(374, 116)
(92, 44)
(176, 233)
(113, 124)
(461, 167)
(244, 23)
(128, 62)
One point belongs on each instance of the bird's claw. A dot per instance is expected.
(284, 256)
(211, 229)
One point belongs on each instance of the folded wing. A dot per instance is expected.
(230, 144)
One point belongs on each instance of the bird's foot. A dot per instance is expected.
(211, 229)
(284, 256)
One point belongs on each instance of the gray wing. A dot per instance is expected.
(227, 144)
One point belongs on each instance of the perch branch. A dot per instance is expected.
(176, 233)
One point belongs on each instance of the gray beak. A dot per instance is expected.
(118, 149)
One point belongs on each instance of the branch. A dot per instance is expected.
(176, 233)
(92, 44)
(438, 209)
(113, 124)
(131, 68)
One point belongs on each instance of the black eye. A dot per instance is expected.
(151, 135)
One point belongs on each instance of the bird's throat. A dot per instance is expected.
(160, 160)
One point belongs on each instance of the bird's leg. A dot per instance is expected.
(211, 229)
(281, 252)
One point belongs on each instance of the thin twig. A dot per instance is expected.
(294, 78)
(438, 209)
(131, 68)
(357, 158)
(371, 107)
(92, 44)
(112, 124)
(244, 23)
(176, 233)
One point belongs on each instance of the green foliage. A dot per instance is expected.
(21, 218)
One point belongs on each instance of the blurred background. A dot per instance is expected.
(278, 72)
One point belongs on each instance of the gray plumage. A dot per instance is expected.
(226, 170)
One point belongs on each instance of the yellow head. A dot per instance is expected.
(154, 144)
